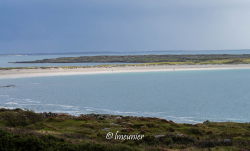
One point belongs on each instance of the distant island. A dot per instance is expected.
(128, 63)
(157, 59)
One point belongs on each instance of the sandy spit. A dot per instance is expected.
(26, 73)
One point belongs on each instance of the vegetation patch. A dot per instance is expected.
(171, 59)
(26, 130)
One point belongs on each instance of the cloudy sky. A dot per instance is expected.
(123, 25)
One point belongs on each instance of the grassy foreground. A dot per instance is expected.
(22, 130)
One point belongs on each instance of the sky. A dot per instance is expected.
(32, 26)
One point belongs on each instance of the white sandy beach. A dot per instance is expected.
(25, 73)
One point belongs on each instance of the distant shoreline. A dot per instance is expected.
(66, 71)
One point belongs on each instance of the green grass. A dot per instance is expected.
(67, 132)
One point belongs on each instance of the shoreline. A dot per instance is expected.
(39, 72)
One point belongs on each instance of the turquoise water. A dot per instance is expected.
(181, 96)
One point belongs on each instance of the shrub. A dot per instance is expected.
(20, 118)
(11, 142)
(185, 140)
(195, 131)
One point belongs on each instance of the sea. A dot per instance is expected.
(180, 96)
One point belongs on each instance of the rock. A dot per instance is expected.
(114, 124)
(118, 117)
(159, 136)
(179, 135)
(227, 141)
(206, 122)
(8, 86)
(49, 114)
(106, 129)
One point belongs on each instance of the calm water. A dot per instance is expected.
(182, 96)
